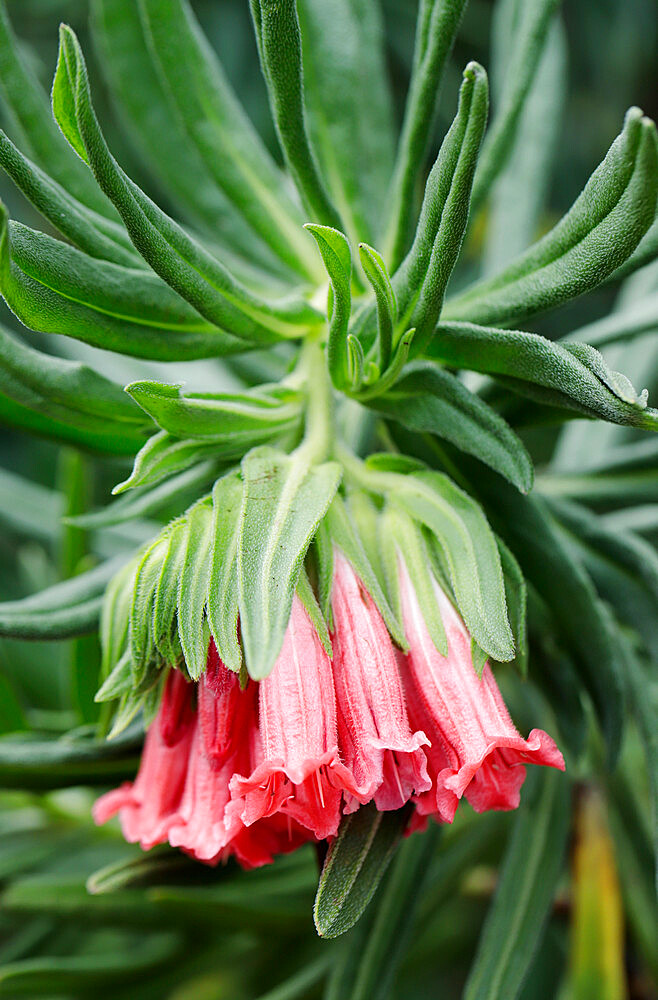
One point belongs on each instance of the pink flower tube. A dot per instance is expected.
(257, 771)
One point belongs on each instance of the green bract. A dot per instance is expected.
(283, 347)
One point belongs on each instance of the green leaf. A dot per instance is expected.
(163, 456)
(285, 498)
(60, 611)
(518, 196)
(35, 762)
(387, 308)
(622, 325)
(280, 50)
(88, 230)
(223, 588)
(428, 399)
(178, 258)
(240, 420)
(401, 539)
(470, 551)
(378, 958)
(602, 228)
(342, 533)
(355, 863)
(578, 380)
(54, 288)
(349, 106)
(516, 598)
(178, 492)
(193, 588)
(526, 888)
(337, 257)
(147, 577)
(421, 280)
(28, 107)
(525, 59)
(208, 112)
(585, 626)
(148, 110)
(84, 973)
(87, 408)
(166, 596)
(309, 600)
(438, 21)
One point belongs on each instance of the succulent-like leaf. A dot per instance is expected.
(163, 456)
(285, 498)
(280, 50)
(337, 256)
(526, 887)
(421, 280)
(564, 375)
(436, 28)
(349, 106)
(242, 420)
(89, 230)
(88, 409)
(215, 124)
(193, 586)
(223, 586)
(523, 66)
(178, 258)
(429, 399)
(602, 228)
(354, 865)
(470, 551)
(54, 288)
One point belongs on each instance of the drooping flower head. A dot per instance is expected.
(256, 770)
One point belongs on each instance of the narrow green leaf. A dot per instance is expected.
(577, 380)
(531, 868)
(285, 498)
(355, 863)
(163, 456)
(587, 631)
(637, 318)
(387, 307)
(310, 602)
(342, 533)
(204, 105)
(165, 603)
(349, 106)
(402, 541)
(193, 588)
(519, 195)
(54, 288)
(178, 258)
(280, 50)
(524, 63)
(142, 642)
(421, 280)
(470, 551)
(429, 399)
(602, 228)
(94, 233)
(28, 106)
(516, 598)
(438, 21)
(244, 419)
(144, 501)
(337, 256)
(223, 587)
(94, 410)
(28, 761)
(393, 926)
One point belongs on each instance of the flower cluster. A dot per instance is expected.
(256, 771)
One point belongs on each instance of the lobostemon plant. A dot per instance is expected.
(331, 550)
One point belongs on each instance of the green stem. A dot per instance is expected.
(314, 375)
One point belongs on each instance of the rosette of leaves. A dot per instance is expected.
(365, 309)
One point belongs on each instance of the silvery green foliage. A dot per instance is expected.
(353, 342)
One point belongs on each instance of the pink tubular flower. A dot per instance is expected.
(475, 749)
(378, 746)
(257, 771)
